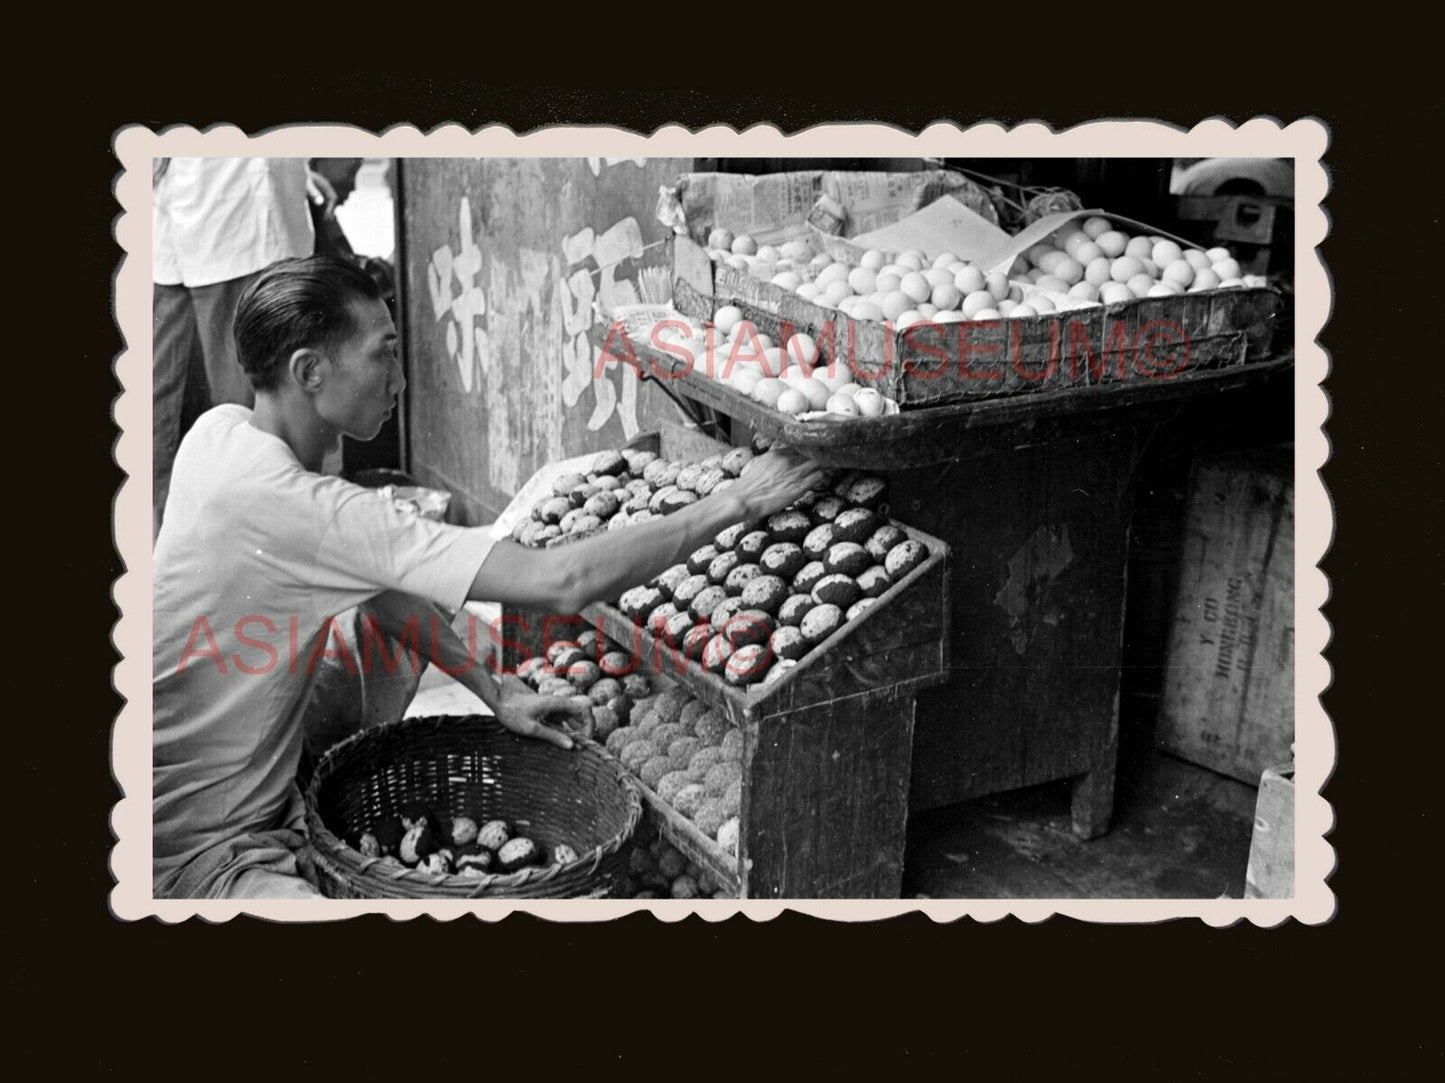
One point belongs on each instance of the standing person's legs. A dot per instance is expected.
(176, 348)
(215, 317)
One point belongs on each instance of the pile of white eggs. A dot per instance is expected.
(793, 380)
(1090, 264)
(1097, 263)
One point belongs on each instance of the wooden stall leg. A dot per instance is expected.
(1093, 804)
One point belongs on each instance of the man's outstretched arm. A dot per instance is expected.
(567, 578)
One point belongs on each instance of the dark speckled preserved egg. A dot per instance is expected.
(826, 509)
(883, 540)
(689, 589)
(821, 622)
(766, 592)
(855, 525)
(721, 565)
(727, 609)
(903, 558)
(740, 577)
(788, 642)
(874, 582)
(807, 578)
(658, 618)
(670, 580)
(839, 590)
(849, 558)
(716, 654)
(699, 560)
(751, 546)
(677, 627)
(706, 601)
(748, 627)
(818, 541)
(748, 665)
(789, 526)
(795, 609)
(783, 559)
(695, 641)
(609, 462)
(729, 538)
(868, 492)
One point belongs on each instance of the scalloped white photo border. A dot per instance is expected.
(1304, 141)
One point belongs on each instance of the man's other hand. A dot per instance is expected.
(525, 713)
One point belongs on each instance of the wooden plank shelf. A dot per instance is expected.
(899, 641)
(933, 435)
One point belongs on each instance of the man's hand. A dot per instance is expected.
(522, 711)
(773, 481)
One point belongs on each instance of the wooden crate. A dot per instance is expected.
(1228, 696)
(827, 749)
(1155, 338)
(1270, 874)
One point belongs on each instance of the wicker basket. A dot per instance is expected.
(471, 766)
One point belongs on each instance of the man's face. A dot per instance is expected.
(363, 377)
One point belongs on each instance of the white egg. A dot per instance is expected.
(862, 280)
(969, 280)
(1022, 311)
(996, 282)
(949, 315)
(1165, 253)
(1227, 268)
(1179, 273)
(842, 405)
(1112, 242)
(927, 310)
(1218, 255)
(976, 302)
(1197, 259)
(872, 260)
(792, 401)
(1205, 279)
(727, 318)
(802, 350)
(788, 280)
(984, 314)
(869, 401)
(1096, 226)
(916, 287)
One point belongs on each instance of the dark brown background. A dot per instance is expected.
(1183, 998)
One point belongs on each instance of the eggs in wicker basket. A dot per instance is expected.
(468, 850)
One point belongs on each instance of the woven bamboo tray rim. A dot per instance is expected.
(450, 735)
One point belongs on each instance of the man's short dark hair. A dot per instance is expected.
(296, 303)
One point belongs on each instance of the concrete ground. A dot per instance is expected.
(1179, 832)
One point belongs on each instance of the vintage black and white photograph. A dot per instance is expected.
(697, 530)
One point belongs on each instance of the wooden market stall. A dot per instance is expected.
(1029, 497)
